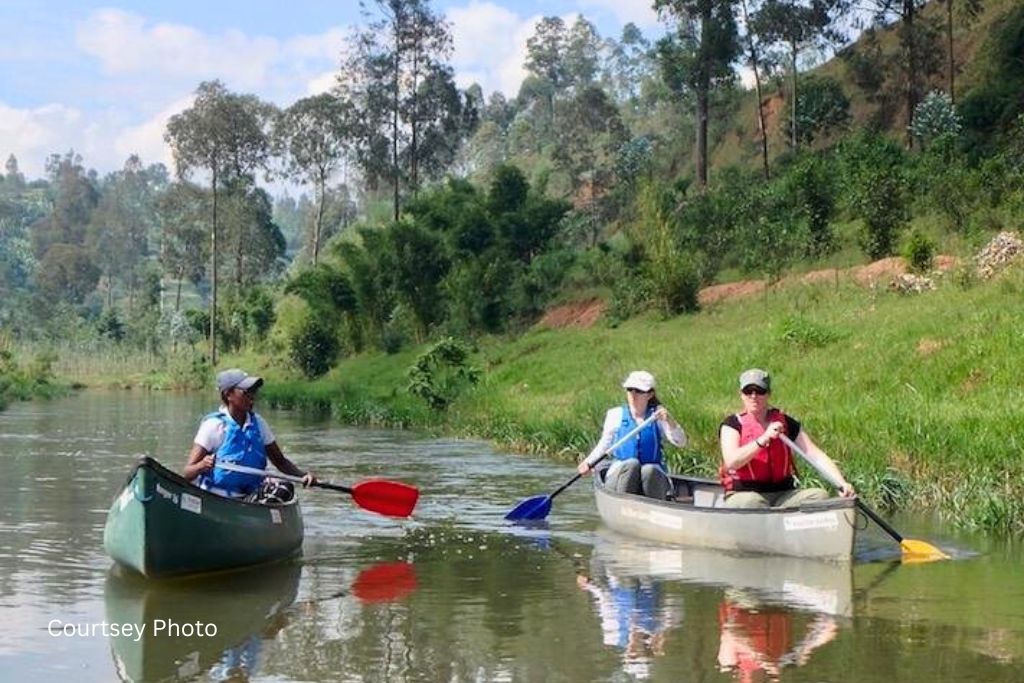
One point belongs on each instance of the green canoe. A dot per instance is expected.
(161, 525)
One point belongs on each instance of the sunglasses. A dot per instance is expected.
(634, 390)
(754, 391)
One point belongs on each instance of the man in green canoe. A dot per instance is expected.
(236, 434)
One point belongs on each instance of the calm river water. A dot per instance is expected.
(456, 594)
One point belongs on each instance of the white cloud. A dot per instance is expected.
(147, 139)
(640, 12)
(129, 47)
(33, 134)
(490, 46)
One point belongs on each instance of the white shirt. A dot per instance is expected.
(613, 418)
(211, 431)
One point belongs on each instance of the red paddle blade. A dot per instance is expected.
(385, 582)
(390, 498)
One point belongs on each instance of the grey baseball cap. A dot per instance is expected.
(756, 377)
(229, 379)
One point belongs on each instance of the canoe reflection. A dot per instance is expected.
(774, 611)
(793, 582)
(247, 609)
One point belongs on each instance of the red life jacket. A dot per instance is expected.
(771, 468)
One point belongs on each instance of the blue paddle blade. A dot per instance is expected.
(534, 508)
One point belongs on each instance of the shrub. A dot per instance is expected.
(919, 251)
(441, 373)
(804, 333)
(313, 347)
(874, 171)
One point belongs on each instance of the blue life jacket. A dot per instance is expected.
(645, 446)
(242, 446)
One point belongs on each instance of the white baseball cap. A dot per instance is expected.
(639, 379)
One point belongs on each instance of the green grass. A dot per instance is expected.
(916, 397)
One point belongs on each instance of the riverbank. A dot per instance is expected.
(23, 378)
(915, 395)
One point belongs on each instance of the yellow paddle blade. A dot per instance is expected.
(919, 551)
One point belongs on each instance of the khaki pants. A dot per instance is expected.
(793, 498)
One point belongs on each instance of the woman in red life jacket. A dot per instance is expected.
(638, 465)
(758, 469)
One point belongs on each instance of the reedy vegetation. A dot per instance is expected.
(595, 203)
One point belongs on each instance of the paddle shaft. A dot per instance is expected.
(825, 475)
(242, 469)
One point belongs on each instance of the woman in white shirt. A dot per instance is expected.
(639, 463)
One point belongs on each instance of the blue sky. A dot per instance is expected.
(104, 77)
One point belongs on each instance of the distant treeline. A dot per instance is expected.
(622, 169)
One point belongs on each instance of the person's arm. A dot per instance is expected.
(672, 430)
(734, 455)
(200, 461)
(819, 458)
(611, 425)
(285, 465)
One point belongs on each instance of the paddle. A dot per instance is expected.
(538, 507)
(914, 551)
(390, 498)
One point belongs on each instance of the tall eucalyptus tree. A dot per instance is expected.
(697, 56)
(225, 135)
(397, 77)
(315, 135)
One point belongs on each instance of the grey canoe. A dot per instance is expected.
(822, 531)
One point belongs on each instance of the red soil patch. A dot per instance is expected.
(586, 313)
(577, 314)
(729, 290)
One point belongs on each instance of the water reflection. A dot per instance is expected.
(774, 612)
(759, 640)
(246, 609)
(634, 614)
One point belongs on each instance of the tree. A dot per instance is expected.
(384, 76)
(800, 24)
(180, 211)
(591, 135)
(250, 232)
(917, 50)
(224, 134)
(755, 52)
(545, 60)
(67, 273)
(821, 107)
(121, 225)
(970, 9)
(582, 54)
(630, 63)
(315, 134)
(74, 196)
(697, 57)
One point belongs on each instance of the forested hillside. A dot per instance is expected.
(628, 167)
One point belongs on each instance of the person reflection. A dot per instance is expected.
(634, 617)
(757, 641)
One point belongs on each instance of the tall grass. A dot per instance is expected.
(916, 397)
